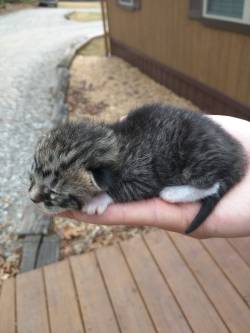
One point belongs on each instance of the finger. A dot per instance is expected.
(153, 212)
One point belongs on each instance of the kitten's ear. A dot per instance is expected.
(102, 177)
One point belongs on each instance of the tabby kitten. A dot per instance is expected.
(158, 150)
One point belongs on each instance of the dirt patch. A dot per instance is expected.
(106, 89)
(79, 238)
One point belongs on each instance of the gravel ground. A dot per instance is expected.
(106, 89)
(33, 42)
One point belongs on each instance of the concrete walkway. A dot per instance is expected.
(32, 45)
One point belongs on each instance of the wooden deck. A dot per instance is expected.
(162, 282)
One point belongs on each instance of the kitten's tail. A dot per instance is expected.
(207, 207)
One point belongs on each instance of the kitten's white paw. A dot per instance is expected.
(98, 204)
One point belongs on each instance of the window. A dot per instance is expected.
(129, 4)
(227, 10)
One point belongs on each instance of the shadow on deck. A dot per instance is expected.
(161, 282)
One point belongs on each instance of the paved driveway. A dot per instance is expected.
(32, 44)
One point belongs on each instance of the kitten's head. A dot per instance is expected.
(72, 163)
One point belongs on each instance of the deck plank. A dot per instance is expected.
(62, 302)
(31, 303)
(164, 310)
(224, 297)
(49, 250)
(161, 282)
(30, 250)
(128, 305)
(235, 268)
(242, 245)
(7, 307)
(201, 314)
(93, 297)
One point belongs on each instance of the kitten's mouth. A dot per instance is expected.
(49, 208)
(54, 203)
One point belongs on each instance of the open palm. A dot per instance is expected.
(231, 217)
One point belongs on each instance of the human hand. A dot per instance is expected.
(230, 218)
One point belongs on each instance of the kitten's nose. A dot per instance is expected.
(36, 196)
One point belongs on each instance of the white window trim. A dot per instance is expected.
(244, 20)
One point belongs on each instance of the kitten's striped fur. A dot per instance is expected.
(64, 160)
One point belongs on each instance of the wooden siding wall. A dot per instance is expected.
(163, 30)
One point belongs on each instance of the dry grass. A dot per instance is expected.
(85, 17)
(82, 5)
(95, 47)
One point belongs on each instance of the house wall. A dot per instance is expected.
(162, 30)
